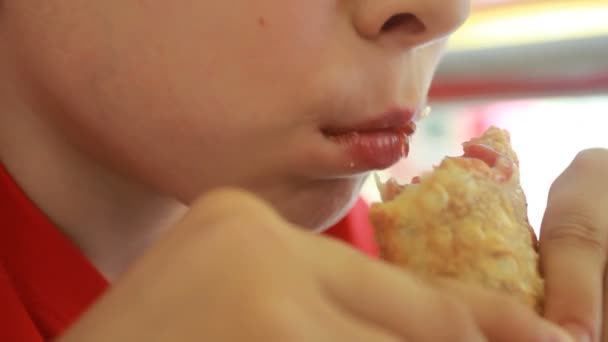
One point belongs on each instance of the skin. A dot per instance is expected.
(218, 95)
(334, 294)
(130, 110)
(574, 246)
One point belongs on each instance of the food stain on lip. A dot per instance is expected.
(374, 144)
(382, 137)
(425, 113)
(372, 150)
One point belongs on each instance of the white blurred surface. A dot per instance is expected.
(546, 134)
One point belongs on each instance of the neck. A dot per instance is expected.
(112, 219)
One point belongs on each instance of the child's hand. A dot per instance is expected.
(232, 270)
(574, 245)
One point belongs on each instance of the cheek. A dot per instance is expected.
(154, 88)
(197, 100)
(181, 93)
(214, 67)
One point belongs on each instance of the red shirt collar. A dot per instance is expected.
(356, 229)
(54, 283)
(52, 279)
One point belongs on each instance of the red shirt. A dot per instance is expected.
(46, 283)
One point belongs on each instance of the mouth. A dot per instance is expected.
(376, 144)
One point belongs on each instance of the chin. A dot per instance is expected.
(323, 203)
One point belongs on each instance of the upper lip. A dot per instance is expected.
(394, 120)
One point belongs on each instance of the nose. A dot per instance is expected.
(408, 23)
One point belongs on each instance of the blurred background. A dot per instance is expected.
(537, 68)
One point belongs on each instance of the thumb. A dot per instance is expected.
(573, 249)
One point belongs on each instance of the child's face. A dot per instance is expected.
(186, 95)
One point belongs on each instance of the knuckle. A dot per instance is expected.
(457, 319)
(377, 339)
(585, 168)
(590, 160)
(576, 230)
(507, 304)
(234, 213)
(591, 155)
(258, 241)
(390, 339)
(451, 307)
(226, 203)
(280, 318)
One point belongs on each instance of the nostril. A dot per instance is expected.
(404, 22)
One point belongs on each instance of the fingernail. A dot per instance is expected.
(577, 332)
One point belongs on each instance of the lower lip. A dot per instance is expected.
(373, 150)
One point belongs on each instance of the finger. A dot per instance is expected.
(405, 308)
(387, 297)
(573, 246)
(604, 329)
(391, 299)
(342, 326)
(491, 311)
(573, 284)
(226, 204)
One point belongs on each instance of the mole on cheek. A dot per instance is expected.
(262, 22)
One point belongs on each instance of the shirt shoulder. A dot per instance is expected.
(356, 229)
(15, 322)
(44, 277)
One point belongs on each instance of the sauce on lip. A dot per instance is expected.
(374, 150)
(375, 147)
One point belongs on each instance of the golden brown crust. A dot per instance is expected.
(466, 220)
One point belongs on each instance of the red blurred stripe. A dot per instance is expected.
(451, 90)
